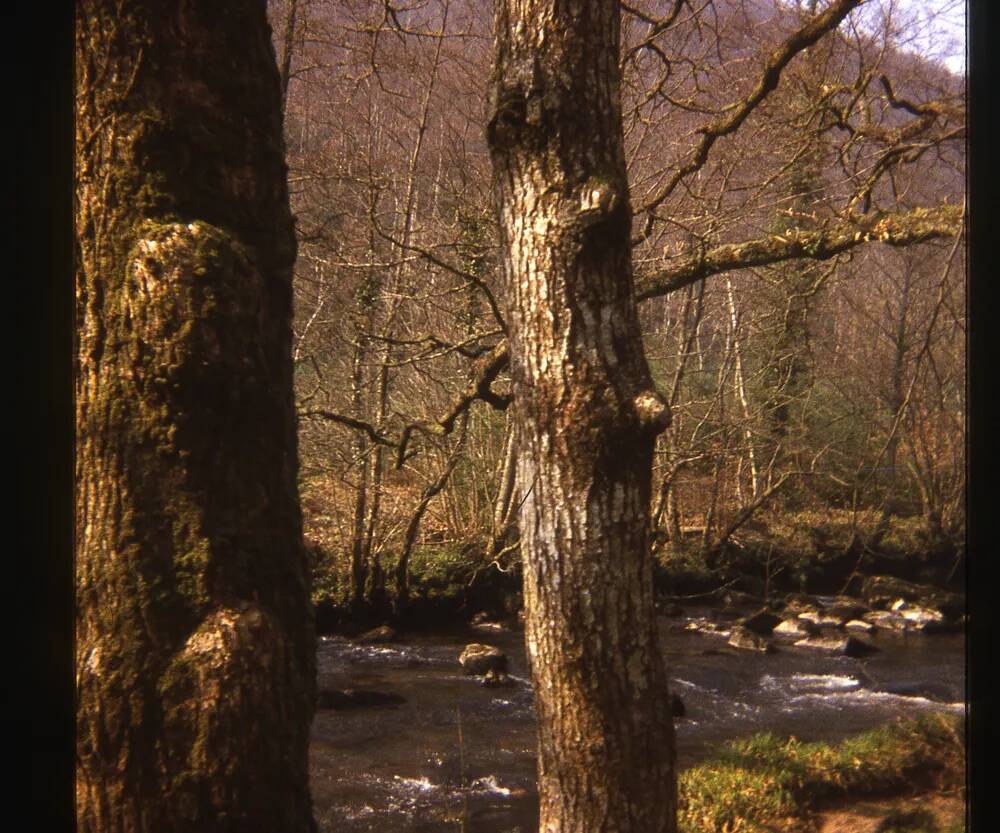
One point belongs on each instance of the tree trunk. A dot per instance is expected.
(587, 419)
(195, 649)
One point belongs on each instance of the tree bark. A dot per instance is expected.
(587, 419)
(195, 648)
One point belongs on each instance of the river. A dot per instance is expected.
(460, 757)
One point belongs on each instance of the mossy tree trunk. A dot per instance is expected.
(195, 648)
(587, 420)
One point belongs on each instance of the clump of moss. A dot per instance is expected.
(764, 782)
(443, 570)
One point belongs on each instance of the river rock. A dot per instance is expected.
(919, 617)
(860, 625)
(482, 623)
(762, 623)
(702, 625)
(377, 636)
(883, 591)
(847, 646)
(798, 603)
(479, 659)
(822, 619)
(845, 608)
(356, 698)
(497, 679)
(746, 639)
(885, 619)
(795, 627)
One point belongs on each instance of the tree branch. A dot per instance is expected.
(373, 433)
(799, 40)
(485, 373)
(892, 228)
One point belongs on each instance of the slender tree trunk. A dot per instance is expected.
(432, 490)
(897, 399)
(587, 419)
(505, 504)
(741, 389)
(359, 564)
(287, 46)
(195, 649)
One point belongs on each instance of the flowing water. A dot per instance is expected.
(460, 757)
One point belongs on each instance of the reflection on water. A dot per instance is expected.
(457, 756)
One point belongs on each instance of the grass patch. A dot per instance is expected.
(764, 782)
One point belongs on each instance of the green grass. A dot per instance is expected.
(765, 782)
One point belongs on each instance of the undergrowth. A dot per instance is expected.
(764, 782)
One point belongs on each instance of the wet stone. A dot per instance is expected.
(497, 679)
(761, 623)
(847, 646)
(795, 627)
(886, 619)
(480, 659)
(377, 636)
(747, 640)
(821, 619)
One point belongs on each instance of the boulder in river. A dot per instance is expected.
(919, 617)
(795, 627)
(847, 646)
(822, 619)
(860, 625)
(762, 623)
(746, 639)
(845, 608)
(356, 698)
(885, 619)
(479, 659)
(378, 636)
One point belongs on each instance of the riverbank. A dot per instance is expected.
(773, 556)
(767, 783)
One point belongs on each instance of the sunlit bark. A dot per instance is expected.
(587, 419)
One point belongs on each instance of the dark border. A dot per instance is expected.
(42, 74)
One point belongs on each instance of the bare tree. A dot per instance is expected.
(587, 419)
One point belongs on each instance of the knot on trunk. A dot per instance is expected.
(598, 200)
(652, 410)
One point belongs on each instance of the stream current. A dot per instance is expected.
(457, 756)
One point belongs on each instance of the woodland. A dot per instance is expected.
(397, 316)
(797, 266)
